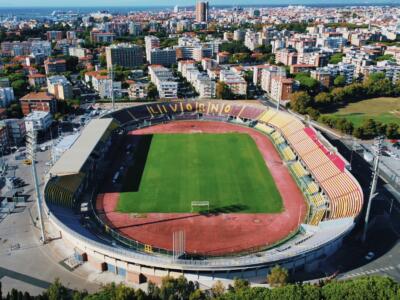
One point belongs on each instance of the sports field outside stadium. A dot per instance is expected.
(172, 170)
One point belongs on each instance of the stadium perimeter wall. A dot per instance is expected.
(138, 267)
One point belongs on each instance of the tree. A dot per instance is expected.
(300, 101)
(223, 91)
(241, 57)
(370, 129)
(264, 49)
(338, 95)
(234, 47)
(152, 92)
(240, 284)
(339, 81)
(197, 295)
(153, 290)
(14, 111)
(122, 292)
(386, 57)
(306, 82)
(179, 288)
(323, 99)
(278, 276)
(20, 87)
(102, 60)
(218, 289)
(71, 63)
(336, 58)
(393, 131)
(373, 287)
(57, 291)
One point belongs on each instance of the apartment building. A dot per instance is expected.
(60, 87)
(125, 55)
(102, 37)
(38, 121)
(54, 35)
(164, 57)
(204, 86)
(6, 96)
(42, 101)
(164, 80)
(266, 76)
(151, 42)
(55, 65)
(281, 88)
(235, 82)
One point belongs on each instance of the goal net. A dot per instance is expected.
(200, 206)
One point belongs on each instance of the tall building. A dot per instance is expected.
(125, 55)
(151, 42)
(60, 87)
(164, 57)
(54, 65)
(135, 28)
(201, 12)
(54, 35)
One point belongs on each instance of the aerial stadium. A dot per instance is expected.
(207, 189)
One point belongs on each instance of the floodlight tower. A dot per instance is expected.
(375, 176)
(31, 150)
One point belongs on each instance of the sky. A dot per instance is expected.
(133, 3)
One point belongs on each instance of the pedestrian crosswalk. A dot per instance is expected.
(370, 272)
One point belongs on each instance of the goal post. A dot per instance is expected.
(200, 204)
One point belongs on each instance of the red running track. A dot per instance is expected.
(215, 234)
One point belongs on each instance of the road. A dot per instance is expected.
(25, 263)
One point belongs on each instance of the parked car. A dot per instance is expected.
(370, 256)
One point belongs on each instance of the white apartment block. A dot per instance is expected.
(344, 69)
(6, 96)
(151, 42)
(235, 82)
(77, 52)
(102, 84)
(201, 82)
(138, 90)
(60, 87)
(267, 74)
(391, 71)
(38, 120)
(252, 40)
(164, 80)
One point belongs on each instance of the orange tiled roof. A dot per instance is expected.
(38, 96)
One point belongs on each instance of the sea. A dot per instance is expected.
(44, 12)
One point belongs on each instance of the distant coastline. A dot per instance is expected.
(43, 12)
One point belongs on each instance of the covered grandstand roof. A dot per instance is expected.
(72, 161)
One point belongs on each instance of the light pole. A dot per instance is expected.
(31, 150)
(375, 176)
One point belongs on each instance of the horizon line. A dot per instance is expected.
(316, 3)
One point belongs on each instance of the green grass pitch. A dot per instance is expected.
(383, 109)
(225, 169)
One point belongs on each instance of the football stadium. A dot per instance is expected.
(207, 189)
